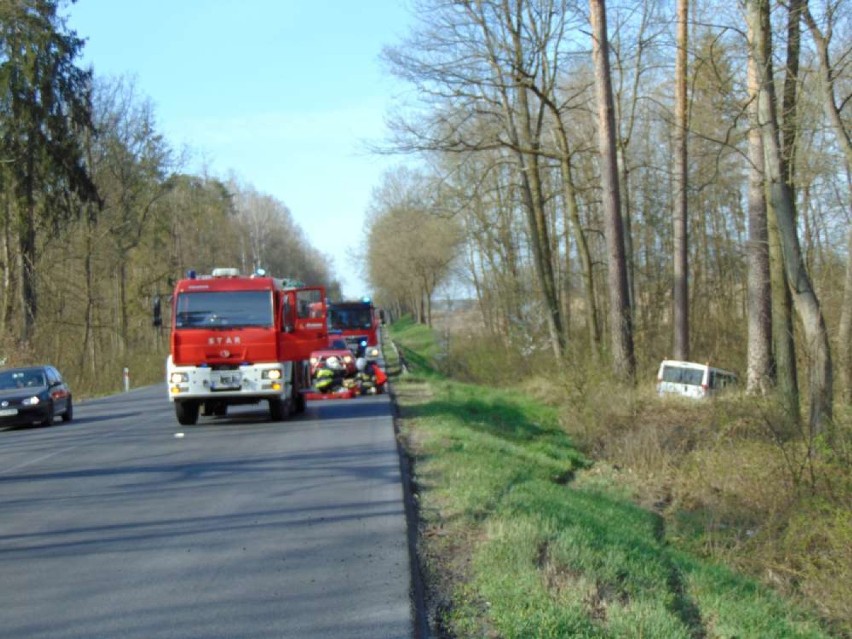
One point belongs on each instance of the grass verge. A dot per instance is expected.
(523, 536)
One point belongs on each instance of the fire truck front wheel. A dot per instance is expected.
(279, 409)
(300, 404)
(187, 412)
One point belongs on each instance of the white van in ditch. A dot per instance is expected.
(692, 380)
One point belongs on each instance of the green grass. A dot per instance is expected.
(415, 345)
(529, 541)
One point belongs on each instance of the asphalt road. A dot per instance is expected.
(115, 526)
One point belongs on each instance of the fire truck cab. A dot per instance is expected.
(358, 323)
(239, 339)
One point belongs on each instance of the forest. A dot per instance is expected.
(100, 217)
(622, 183)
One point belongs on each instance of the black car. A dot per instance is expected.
(33, 395)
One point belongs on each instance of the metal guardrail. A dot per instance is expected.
(403, 365)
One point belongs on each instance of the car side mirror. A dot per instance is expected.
(157, 312)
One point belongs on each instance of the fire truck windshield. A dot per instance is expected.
(225, 309)
(349, 318)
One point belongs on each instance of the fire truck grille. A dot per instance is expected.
(354, 342)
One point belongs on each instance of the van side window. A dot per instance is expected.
(720, 380)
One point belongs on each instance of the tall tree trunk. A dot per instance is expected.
(573, 215)
(531, 189)
(88, 353)
(9, 279)
(531, 186)
(621, 321)
(804, 298)
(27, 254)
(832, 112)
(680, 311)
(124, 324)
(790, 101)
(626, 218)
(760, 363)
(844, 331)
(783, 327)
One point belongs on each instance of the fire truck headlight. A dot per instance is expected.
(314, 361)
(273, 373)
(374, 352)
(179, 378)
(347, 358)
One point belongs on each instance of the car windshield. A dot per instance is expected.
(21, 379)
(342, 318)
(225, 309)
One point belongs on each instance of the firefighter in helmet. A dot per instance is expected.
(329, 377)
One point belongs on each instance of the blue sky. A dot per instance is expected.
(281, 93)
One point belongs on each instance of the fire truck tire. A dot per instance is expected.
(187, 412)
(279, 409)
(300, 404)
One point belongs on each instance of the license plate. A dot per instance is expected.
(8, 412)
(227, 381)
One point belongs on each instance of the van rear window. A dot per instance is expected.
(677, 375)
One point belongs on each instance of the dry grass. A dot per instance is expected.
(731, 487)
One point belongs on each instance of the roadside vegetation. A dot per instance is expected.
(552, 505)
(99, 215)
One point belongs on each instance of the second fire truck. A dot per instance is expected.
(358, 323)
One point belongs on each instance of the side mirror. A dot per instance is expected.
(157, 311)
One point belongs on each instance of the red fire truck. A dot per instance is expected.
(358, 323)
(241, 340)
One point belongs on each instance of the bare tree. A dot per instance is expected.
(760, 364)
(804, 298)
(844, 331)
(828, 82)
(680, 298)
(828, 76)
(132, 167)
(491, 60)
(410, 244)
(621, 327)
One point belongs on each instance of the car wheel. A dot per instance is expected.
(68, 415)
(48, 418)
(186, 412)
